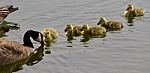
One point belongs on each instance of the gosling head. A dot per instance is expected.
(130, 7)
(69, 27)
(84, 27)
(46, 33)
(102, 20)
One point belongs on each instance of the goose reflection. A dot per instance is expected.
(36, 57)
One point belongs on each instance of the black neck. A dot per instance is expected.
(26, 39)
(35, 35)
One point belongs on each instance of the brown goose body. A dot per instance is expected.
(5, 11)
(11, 51)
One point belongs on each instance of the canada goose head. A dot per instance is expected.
(35, 35)
(69, 27)
(102, 20)
(85, 27)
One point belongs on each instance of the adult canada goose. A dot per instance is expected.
(93, 31)
(49, 34)
(11, 51)
(111, 24)
(73, 30)
(133, 11)
(5, 11)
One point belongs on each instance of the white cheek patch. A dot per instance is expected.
(39, 39)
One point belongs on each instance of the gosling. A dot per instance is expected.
(111, 24)
(93, 31)
(133, 11)
(73, 30)
(49, 34)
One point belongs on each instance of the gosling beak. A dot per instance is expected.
(65, 30)
(98, 23)
(81, 29)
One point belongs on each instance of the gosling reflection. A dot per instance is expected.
(47, 47)
(6, 27)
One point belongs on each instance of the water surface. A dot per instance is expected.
(124, 51)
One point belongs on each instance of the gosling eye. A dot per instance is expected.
(68, 27)
(47, 33)
(83, 27)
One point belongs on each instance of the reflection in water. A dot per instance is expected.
(85, 39)
(69, 38)
(69, 41)
(34, 58)
(130, 19)
(9, 68)
(6, 26)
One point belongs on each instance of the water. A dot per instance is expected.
(124, 51)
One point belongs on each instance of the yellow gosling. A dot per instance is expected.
(49, 34)
(111, 24)
(133, 11)
(93, 31)
(73, 30)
